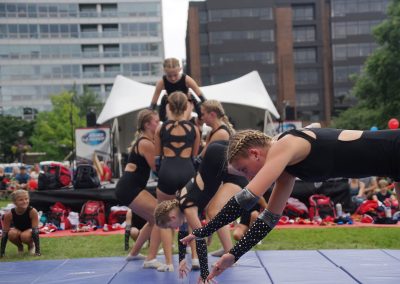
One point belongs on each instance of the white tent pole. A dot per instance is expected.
(269, 124)
(115, 132)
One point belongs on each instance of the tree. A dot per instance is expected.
(9, 139)
(87, 101)
(378, 86)
(54, 130)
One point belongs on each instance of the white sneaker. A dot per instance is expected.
(195, 264)
(135, 257)
(166, 268)
(152, 264)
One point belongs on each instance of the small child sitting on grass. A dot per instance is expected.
(20, 225)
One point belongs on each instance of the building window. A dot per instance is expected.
(305, 55)
(345, 51)
(303, 12)
(309, 115)
(341, 8)
(262, 35)
(110, 28)
(307, 99)
(111, 50)
(112, 68)
(306, 77)
(304, 33)
(262, 13)
(140, 9)
(353, 28)
(342, 73)
(91, 71)
(109, 10)
(269, 79)
(88, 28)
(224, 58)
(343, 96)
(93, 88)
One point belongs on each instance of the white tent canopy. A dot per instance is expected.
(128, 95)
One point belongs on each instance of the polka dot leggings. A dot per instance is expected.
(201, 248)
(181, 246)
(256, 233)
(230, 212)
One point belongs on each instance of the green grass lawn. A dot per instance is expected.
(279, 239)
(4, 202)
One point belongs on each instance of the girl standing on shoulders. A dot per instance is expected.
(173, 81)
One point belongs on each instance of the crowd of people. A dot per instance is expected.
(21, 177)
(223, 175)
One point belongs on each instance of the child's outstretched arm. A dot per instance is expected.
(191, 83)
(156, 95)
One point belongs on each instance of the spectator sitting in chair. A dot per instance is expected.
(102, 169)
(384, 192)
(107, 175)
(22, 178)
(3, 179)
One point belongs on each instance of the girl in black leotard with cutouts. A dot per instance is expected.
(177, 142)
(130, 189)
(194, 198)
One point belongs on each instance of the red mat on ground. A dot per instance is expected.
(69, 233)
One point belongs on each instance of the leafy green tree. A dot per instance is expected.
(378, 87)
(87, 101)
(10, 142)
(54, 130)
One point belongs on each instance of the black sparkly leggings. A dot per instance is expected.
(230, 212)
(256, 233)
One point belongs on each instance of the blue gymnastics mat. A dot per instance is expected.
(258, 267)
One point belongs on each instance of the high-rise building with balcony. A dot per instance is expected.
(50, 46)
(305, 51)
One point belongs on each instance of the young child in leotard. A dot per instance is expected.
(172, 81)
(20, 225)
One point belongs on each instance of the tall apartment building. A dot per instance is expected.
(303, 50)
(50, 46)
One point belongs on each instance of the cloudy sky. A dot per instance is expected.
(174, 21)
